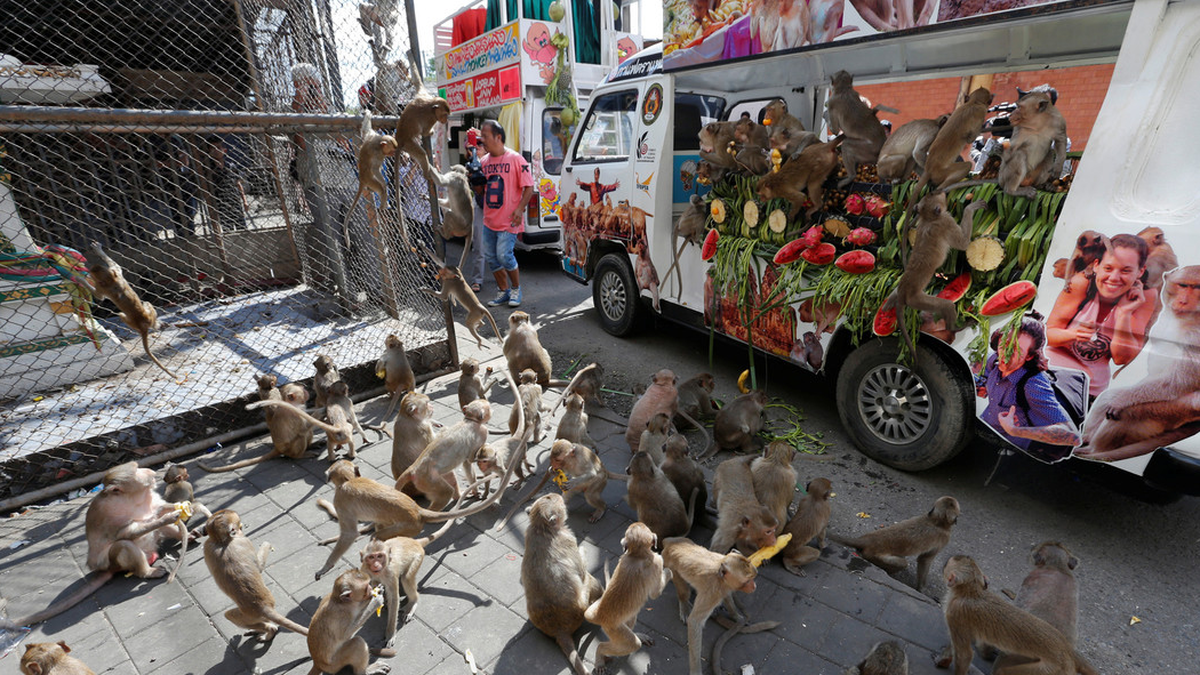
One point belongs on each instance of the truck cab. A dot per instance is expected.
(496, 62)
(1126, 75)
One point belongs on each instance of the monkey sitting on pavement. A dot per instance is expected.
(639, 576)
(976, 615)
(885, 658)
(530, 393)
(106, 280)
(1049, 592)
(237, 568)
(811, 521)
(327, 374)
(48, 658)
(742, 521)
(775, 479)
(472, 387)
(397, 374)
(343, 422)
(923, 536)
(333, 642)
(178, 489)
(655, 500)
(738, 423)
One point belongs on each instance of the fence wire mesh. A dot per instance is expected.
(205, 145)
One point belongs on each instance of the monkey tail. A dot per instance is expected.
(327, 507)
(1082, 665)
(537, 488)
(94, 581)
(612, 475)
(274, 615)
(567, 645)
(238, 465)
(146, 346)
(852, 542)
(692, 507)
(707, 438)
(272, 403)
(492, 321)
(737, 628)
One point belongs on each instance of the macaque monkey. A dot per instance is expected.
(850, 117)
(707, 173)
(373, 151)
(660, 397)
(333, 642)
(923, 536)
(806, 171)
(753, 140)
(695, 396)
(885, 658)
(416, 122)
(107, 280)
(1164, 407)
(655, 500)
(179, 489)
(126, 523)
(411, 433)
(577, 470)
(397, 374)
(48, 658)
(458, 207)
(327, 374)
(394, 562)
(791, 142)
(738, 423)
(572, 426)
(686, 475)
(433, 471)
(742, 521)
(339, 411)
(690, 227)
(395, 514)
(237, 568)
(1090, 247)
(558, 587)
(774, 479)
(937, 235)
(814, 353)
(456, 290)
(811, 521)
(715, 576)
(787, 131)
(1049, 592)
(1039, 145)
(472, 387)
(943, 163)
(493, 459)
(530, 393)
(976, 615)
(654, 439)
(639, 577)
(1162, 257)
(715, 138)
(523, 350)
(587, 382)
(905, 149)
(290, 435)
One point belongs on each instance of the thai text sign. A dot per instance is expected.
(484, 90)
(489, 51)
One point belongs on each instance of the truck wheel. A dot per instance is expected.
(616, 296)
(911, 419)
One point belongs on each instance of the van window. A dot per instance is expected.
(692, 112)
(608, 130)
(554, 139)
(754, 108)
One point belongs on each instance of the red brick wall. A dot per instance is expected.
(1080, 93)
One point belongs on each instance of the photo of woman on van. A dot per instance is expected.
(1023, 406)
(1104, 319)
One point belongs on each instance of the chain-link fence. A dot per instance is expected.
(204, 144)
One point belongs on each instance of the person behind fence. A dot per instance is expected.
(1022, 405)
(225, 181)
(473, 264)
(414, 198)
(509, 189)
(1104, 319)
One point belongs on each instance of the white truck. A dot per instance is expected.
(505, 74)
(1121, 375)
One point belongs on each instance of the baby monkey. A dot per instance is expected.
(372, 153)
(48, 658)
(180, 490)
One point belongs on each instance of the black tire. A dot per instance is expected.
(616, 297)
(930, 421)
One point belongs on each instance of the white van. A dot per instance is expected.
(1120, 381)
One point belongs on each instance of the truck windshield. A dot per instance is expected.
(608, 130)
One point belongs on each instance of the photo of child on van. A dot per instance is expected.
(1104, 311)
(1023, 393)
(1164, 407)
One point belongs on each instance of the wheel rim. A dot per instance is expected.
(895, 404)
(612, 296)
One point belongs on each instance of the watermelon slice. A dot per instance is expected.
(709, 249)
(791, 251)
(1010, 298)
(856, 262)
(957, 288)
(821, 254)
(885, 322)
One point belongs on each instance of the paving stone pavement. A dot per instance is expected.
(471, 595)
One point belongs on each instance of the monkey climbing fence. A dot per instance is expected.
(203, 144)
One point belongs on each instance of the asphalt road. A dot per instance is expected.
(1137, 559)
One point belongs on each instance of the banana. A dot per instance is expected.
(765, 553)
(742, 380)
